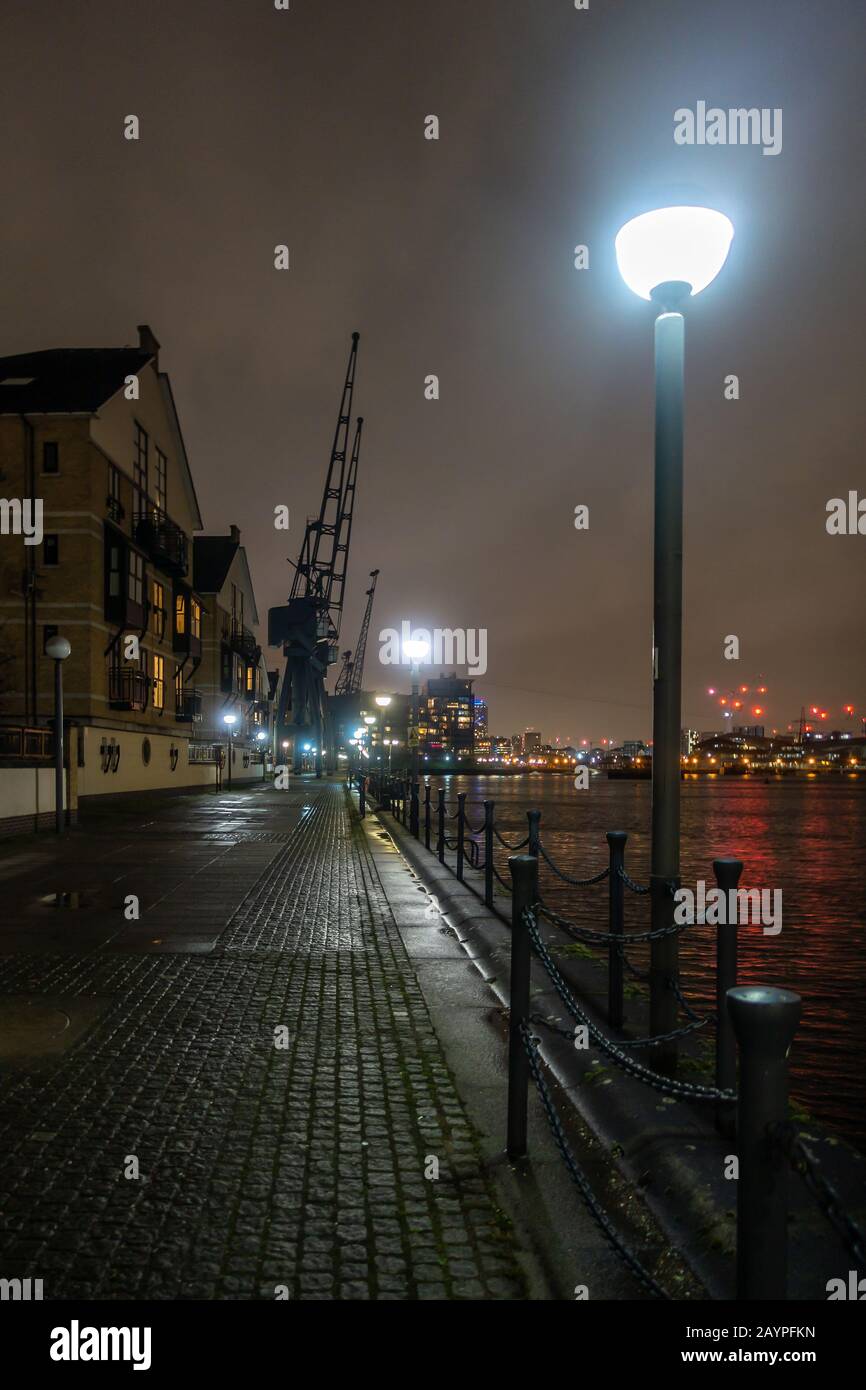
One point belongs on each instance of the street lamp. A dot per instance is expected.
(666, 256)
(229, 720)
(416, 648)
(58, 649)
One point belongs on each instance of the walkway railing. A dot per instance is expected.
(756, 1021)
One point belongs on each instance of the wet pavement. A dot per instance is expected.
(218, 1074)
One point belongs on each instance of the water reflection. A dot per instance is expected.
(806, 838)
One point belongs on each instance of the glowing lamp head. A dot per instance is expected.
(416, 648)
(57, 648)
(383, 701)
(683, 246)
(230, 719)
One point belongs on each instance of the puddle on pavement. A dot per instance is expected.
(69, 901)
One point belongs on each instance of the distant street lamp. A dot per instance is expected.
(229, 720)
(58, 649)
(666, 256)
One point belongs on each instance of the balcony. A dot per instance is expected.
(127, 689)
(244, 643)
(187, 709)
(163, 539)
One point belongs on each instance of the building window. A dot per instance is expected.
(158, 682)
(225, 670)
(251, 679)
(48, 631)
(51, 551)
(195, 619)
(139, 468)
(114, 571)
(160, 480)
(50, 457)
(115, 508)
(239, 674)
(180, 614)
(159, 614)
(135, 581)
(178, 686)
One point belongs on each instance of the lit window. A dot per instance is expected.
(195, 620)
(158, 682)
(180, 614)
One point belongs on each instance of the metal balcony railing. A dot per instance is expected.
(162, 538)
(19, 742)
(243, 642)
(188, 706)
(128, 689)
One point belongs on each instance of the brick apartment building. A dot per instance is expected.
(94, 436)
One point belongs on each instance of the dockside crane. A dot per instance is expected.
(351, 677)
(308, 626)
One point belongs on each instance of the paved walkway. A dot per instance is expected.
(261, 1168)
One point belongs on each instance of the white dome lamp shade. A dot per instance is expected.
(672, 253)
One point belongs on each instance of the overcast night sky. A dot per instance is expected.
(455, 257)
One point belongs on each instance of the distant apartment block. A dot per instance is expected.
(94, 435)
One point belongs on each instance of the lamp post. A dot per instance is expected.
(58, 649)
(666, 256)
(229, 720)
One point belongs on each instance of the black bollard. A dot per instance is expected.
(765, 1021)
(362, 796)
(488, 853)
(524, 892)
(413, 810)
(534, 821)
(461, 833)
(426, 815)
(616, 841)
(440, 837)
(727, 873)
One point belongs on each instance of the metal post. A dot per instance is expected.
(727, 873)
(524, 879)
(488, 853)
(765, 1021)
(616, 840)
(416, 675)
(362, 795)
(58, 747)
(440, 838)
(461, 832)
(667, 675)
(413, 810)
(534, 819)
(426, 815)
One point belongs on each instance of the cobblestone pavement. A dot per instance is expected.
(261, 1167)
